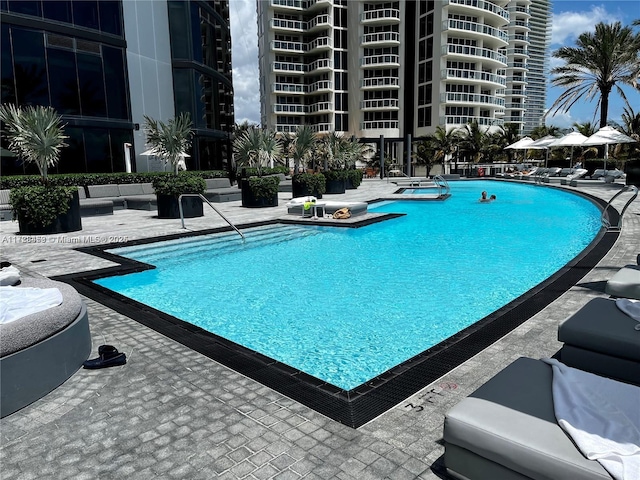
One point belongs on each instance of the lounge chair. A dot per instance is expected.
(507, 430)
(625, 283)
(601, 338)
(575, 175)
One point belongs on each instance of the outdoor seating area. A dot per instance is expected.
(304, 205)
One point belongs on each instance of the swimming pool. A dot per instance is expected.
(347, 305)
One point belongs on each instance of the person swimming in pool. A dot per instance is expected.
(484, 199)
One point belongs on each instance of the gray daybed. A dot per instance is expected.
(625, 283)
(40, 351)
(220, 190)
(507, 430)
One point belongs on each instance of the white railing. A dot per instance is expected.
(320, 107)
(382, 14)
(472, 98)
(481, 4)
(380, 60)
(380, 82)
(382, 103)
(452, 23)
(289, 88)
(289, 108)
(464, 119)
(451, 73)
(467, 50)
(320, 64)
(289, 67)
(382, 37)
(297, 47)
(380, 124)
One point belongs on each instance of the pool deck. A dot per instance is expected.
(173, 413)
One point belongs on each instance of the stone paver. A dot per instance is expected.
(173, 413)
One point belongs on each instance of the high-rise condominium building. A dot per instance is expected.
(105, 64)
(399, 68)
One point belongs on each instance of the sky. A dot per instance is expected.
(569, 20)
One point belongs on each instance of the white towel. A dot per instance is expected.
(631, 308)
(9, 275)
(16, 302)
(602, 417)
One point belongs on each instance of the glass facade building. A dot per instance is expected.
(84, 58)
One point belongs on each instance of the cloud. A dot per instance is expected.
(560, 120)
(244, 44)
(567, 26)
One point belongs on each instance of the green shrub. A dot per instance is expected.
(264, 187)
(315, 182)
(335, 174)
(40, 205)
(252, 172)
(355, 175)
(177, 184)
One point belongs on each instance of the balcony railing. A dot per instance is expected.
(295, 47)
(288, 88)
(380, 38)
(452, 23)
(515, 106)
(481, 4)
(320, 107)
(380, 60)
(382, 14)
(456, 97)
(287, 128)
(279, 23)
(380, 104)
(318, 21)
(521, 37)
(322, 127)
(288, 67)
(514, 92)
(320, 42)
(320, 86)
(455, 73)
(289, 108)
(517, 79)
(380, 124)
(453, 49)
(380, 82)
(320, 64)
(297, 4)
(464, 119)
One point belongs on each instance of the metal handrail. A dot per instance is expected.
(605, 221)
(214, 208)
(442, 183)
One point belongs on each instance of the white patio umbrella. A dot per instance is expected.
(572, 139)
(521, 144)
(608, 136)
(543, 143)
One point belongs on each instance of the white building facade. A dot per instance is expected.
(398, 68)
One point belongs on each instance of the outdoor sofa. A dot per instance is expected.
(220, 190)
(5, 205)
(40, 351)
(625, 283)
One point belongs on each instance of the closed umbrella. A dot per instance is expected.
(569, 140)
(608, 136)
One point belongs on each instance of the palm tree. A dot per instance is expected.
(473, 140)
(35, 134)
(257, 148)
(601, 61)
(170, 140)
(443, 143)
(302, 147)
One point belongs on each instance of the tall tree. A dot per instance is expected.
(302, 147)
(599, 63)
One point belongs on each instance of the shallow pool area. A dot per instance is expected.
(345, 305)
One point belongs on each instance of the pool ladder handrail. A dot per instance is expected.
(604, 218)
(209, 203)
(442, 184)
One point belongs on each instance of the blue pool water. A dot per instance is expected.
(345, 305)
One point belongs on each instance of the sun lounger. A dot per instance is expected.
(625, 283)
(296, 206)
(507, 430)
(600, 338)
(575, 175)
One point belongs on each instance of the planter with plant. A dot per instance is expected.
(336, 181)
(170, 142)
(354, 178)
(36, 135)
(305, 184)
(254, 150)
(168, 189)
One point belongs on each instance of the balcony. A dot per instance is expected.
(380, 104)
(480, 28)
(287, 25)
(318, 22)
(457, 97)
(476, 5)
(380, 83)
(380, 125)
(383, 16)
(320, 65)
(518, 52)
(380, 39)
(513, 9)
(515, 92)
(520, 24)
(464, 119)
(319, 44)
(513, 119)
(519, 37)
(515, 106)
(297, 5)
(289, 108)
(287, 128)
(316, 4)
(322, 127)
(295, 88)
(320, 107)
(288, 67)
(297, 48)
(321, 86)
(517, 65)
(517, 79)
(472, 75)
(468, 51)
(380, 61)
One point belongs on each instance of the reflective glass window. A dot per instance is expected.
(63, 82)
(110, 17)
(115, 82)
(179, 29)
(196, 41)
(85, 13)
(183, 91)
(25, 7)
(57, 10)
(30, 71)
(8, 85)
(72, 156)
(118, 138)
(91, 82)
(97, 149)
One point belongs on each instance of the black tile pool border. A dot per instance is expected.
(360, 405)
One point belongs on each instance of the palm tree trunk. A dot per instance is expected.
(604, 108)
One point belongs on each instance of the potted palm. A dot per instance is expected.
(301, 149)
(170, 142)
(36, 134)
(256, 148)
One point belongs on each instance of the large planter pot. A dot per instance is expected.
(168, 207)
(336, 186)
(65, 222)
(632, 169)
(303, 190)
(251, 201)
